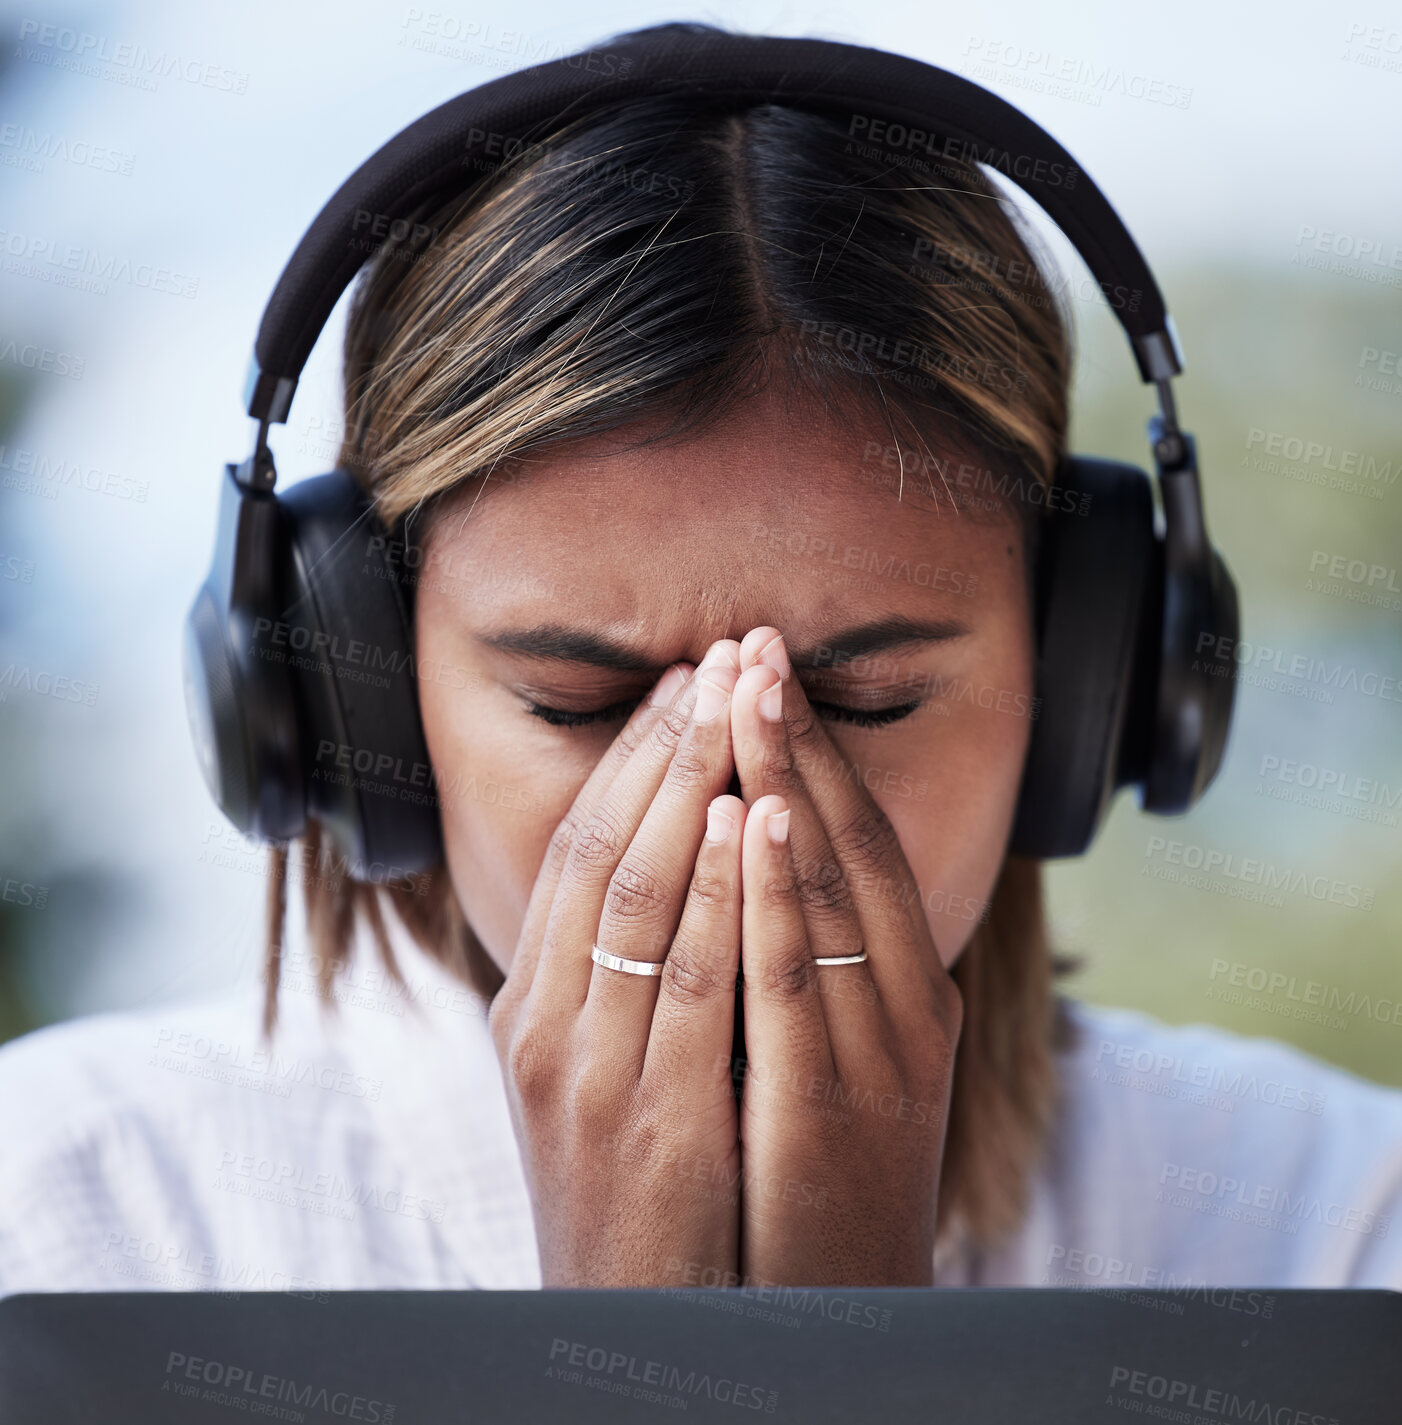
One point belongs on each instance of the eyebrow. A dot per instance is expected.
(558, 643)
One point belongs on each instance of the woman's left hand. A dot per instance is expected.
(846, 1094)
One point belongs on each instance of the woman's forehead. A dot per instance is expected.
(667, 551)
(756, 487)
(681, 520)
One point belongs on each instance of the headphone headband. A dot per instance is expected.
(865, 87)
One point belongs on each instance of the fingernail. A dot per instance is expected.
(713, 692)
(778, 826)
(720, 652)
(667, 686)
(719, 824)
(776, 656)
(771, 703)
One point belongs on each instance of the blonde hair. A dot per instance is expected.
(661, 258)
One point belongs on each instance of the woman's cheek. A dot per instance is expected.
(954, 863)
(954, 827)
(500, 809)
(493, 817)
(488, 856)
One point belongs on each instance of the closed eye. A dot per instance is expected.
(864, 717)
(617, 712)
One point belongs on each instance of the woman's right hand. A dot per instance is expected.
(619, 1084)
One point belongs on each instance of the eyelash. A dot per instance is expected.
(877, 717)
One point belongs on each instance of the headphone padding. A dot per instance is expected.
(369, 776)
(1095, 571)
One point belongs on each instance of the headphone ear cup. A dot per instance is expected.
(1197, 687)
(1097, 646)
(1222, 698)
(242, 703)
(350, 629)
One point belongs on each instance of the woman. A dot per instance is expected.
(714, 446)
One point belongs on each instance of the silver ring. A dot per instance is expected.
(840, 959)
(629, 967)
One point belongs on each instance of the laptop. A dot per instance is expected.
(988, 1356)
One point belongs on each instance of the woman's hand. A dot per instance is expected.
(847, 1090)
(620, 1094)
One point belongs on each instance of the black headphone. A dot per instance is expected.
(299, 675)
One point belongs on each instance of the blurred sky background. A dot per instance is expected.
(1283, 121)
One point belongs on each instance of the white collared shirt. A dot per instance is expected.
(171, 1148)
